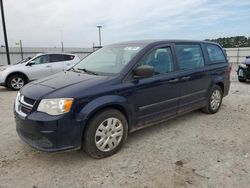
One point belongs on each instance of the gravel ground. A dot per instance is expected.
(195, 150)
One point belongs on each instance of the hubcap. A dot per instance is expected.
(108, 134)
(215, 99)
(17, 83)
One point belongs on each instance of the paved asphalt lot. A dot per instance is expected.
(195, 150)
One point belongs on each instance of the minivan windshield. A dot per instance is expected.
(108, 60)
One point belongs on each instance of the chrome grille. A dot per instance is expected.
(29, 101)
(23, 105)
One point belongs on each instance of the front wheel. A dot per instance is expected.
(16, 82)
(214, 100)
(105, 133)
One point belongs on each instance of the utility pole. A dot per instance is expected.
(62, 40)
(5, 33)
(21, 48)
(100, 39)
(238, 53)
(62, 47)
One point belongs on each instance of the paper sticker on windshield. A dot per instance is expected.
(132, 48)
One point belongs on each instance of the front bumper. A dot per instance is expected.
(245, 72)
(48, 133)
(2, 80)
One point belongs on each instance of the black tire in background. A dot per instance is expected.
(93, 128)
(19, 79)
(242, 79)
(209, 107)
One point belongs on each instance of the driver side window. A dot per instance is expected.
(161, 59)
(41, 59)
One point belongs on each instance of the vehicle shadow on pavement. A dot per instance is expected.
(5, 89)
(166, 126)
(135, 138)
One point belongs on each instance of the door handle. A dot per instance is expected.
(173, 80)
(185, 78)
(48, 66)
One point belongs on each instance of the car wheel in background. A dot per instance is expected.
(242, 79)
(214, 100)
(105, 133)
(16, 82)
(241, 76)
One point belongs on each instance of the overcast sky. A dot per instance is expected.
(41, 22)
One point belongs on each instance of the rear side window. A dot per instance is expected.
(215, 54)
(189, 56)
(60, 57)
(55, 57)
(68, 57)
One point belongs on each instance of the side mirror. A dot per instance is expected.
(144, 71)
(30, 63)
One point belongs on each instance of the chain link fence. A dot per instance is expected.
(235, 55)
(16, 55)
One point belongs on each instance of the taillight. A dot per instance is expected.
(229, 70)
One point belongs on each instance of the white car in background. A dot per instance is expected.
(40, 66)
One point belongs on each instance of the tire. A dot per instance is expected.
(16, 82)
(99, 140)
(214, 100)
(242, 79)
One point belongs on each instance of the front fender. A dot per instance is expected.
(106, 101)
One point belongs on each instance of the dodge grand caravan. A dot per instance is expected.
(119, 89)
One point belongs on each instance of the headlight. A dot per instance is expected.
(55, 106)
(2, 69)
(17, 97)
(243, 65)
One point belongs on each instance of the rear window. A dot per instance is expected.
(189, 56)
(215, 54)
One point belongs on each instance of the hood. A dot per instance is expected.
(8, 66)
(64, 84)
(247, 62)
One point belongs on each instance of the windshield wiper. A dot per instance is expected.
(73, 69)
(88, 71)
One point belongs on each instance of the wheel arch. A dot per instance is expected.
(221, 86)
(106, 102)
(17, 73)
(218, 81)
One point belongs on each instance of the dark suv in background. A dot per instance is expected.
(119, 89)
(244, 70)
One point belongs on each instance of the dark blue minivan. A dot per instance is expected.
(119, 89)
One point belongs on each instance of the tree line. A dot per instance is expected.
(232, 42)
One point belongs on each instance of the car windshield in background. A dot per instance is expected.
(108, 60)
(24, 60)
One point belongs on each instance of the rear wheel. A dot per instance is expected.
(16, 82)
(214, 100)
(105, 133)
